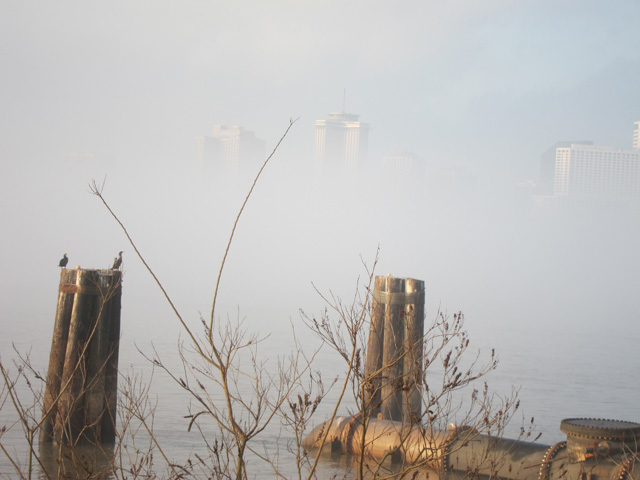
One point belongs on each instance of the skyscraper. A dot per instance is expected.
(229, 147)
(579, 175)
(341, 142)
(402, 165)
(597, 172)
(636, 135)
(548, 165)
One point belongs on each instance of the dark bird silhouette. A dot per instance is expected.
(117, 262)
(63, 261)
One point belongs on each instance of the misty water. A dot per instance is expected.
(560, 373)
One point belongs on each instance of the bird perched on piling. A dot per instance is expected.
(63, 261)
(117, 262)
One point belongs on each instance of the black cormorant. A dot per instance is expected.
(63, 261)
(117, 262)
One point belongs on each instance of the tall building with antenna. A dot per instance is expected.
(341, 142)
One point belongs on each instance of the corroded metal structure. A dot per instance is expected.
(595, 449)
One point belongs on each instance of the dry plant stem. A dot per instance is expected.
(16, 467)
(23, 415)
(149, 430)
(18, 407)
(97, 190)
(235, 224)
(136, 396)
(216, 355)
(350, 368)
(261, 413)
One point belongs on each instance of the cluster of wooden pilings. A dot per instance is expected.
(81, 393)
(393, 368)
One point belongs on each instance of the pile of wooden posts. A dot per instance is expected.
(80, 397)
(393, 367)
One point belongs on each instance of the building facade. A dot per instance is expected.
(229, 148)
(597, 172)
(402, 163)
(581, 177)
(341, 142)
(548, 165)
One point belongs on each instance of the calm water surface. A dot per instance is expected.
(560, 373)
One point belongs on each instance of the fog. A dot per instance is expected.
(120, 91)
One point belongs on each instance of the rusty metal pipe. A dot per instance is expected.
(464, 450)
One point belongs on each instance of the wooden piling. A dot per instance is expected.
(414, 347)
(80, 395)
(111, 367)
(373, 360)
(392, 350)
(58, 351)
(393, 367)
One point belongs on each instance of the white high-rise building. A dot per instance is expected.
(548, 165)
(597, 172)
(341, 142)
(579, 177)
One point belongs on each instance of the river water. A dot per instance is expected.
(560, 370)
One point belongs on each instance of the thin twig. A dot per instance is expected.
(235, 224)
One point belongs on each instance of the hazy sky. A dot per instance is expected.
(487, 85)
(496, 80)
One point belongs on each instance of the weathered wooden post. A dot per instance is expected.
(373, 361)
(80, 396)
(414, 347)
(393, 367)
(392, 346)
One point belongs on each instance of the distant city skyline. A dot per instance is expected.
(575, 172)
